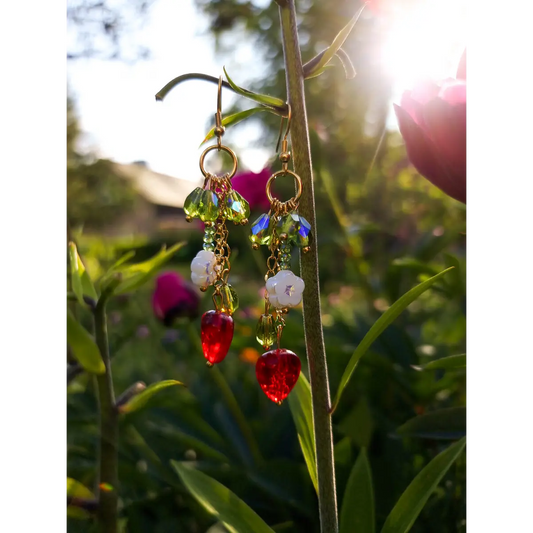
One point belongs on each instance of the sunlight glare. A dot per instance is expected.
(424, 40)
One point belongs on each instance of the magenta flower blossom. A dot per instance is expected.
(252, 187)
(432, 120)
(174, 298)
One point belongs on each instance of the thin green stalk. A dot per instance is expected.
(229, 398)
(107, 514)
(314, 337)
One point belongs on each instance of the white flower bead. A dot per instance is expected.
(203, 268)
(285, 289)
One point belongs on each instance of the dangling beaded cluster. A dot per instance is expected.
(214, 204)
(281, 229)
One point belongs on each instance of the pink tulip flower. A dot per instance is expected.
(174, 298)
(252, 187)
(432, 120)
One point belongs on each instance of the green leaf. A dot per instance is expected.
(447, 423)
(236, 118)
(76, 490)
(302, 414)
(411, 502)
(310, 70)
(264, 99)
(357, 512)
(275, 103)
(141, 399)
(379, 327)
(358, 424)
(126, 257)
(134, 276)
(452, 362)
(349, 69)
(81, 282)
(220, 501)
(317, 73)
(335, 46)
(83, 346)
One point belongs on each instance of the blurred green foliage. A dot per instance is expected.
(381, 229)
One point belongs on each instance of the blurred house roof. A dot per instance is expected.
(156, 188)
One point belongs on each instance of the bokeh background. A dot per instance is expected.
(382, 228)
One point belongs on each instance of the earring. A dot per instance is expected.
(214, 204)
(280, 229)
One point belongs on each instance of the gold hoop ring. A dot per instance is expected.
(219, 148)
(284, 173)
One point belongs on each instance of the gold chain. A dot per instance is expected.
(221, 187)
(272, 261)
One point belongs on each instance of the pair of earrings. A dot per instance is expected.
(281, 229)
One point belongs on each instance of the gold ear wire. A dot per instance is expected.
(219, 128)
(285, 141)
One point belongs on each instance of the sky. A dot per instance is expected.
(122, 121)
(116, 102)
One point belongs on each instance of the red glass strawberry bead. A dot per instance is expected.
(277, 372)
(217, 334)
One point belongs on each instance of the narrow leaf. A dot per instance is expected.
(236, 118)
(218, 500)
(136, 275)
(349, 69)
(141, 399)
(328, 54)
(271, 101)
(281, 108)
(310, 70)
(447, 423)
(452, 362)
(412, 501)
(302, 414)
(83, 346)
(357, 512)
(126, 257)
(81, 282)
(75, 489)
(317, 73)
(78, 491)
(379, 327)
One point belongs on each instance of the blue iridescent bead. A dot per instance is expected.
(259, 233)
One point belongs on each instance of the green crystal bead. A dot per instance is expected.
(209, 237)
(260, 231)
(209, 246)
(208, 206)
(289, 224)
(285, 248)
(237, 208)
(265, 331)
(297, 229)
(230, 299)
(192, 202)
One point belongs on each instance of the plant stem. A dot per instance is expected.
(314, 338)
(107, 503)
(229, 398)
